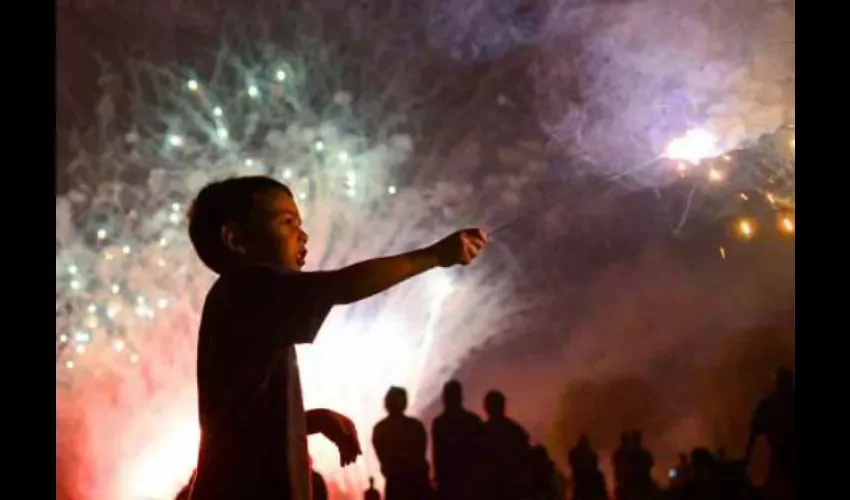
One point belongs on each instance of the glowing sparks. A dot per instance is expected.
(746, 228)
(722, 253)
(786, 224)
(696, 145)
(715, 175)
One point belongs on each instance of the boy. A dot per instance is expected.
(253, 425)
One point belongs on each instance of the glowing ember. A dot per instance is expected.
(746, 228)
(715, 175)
(786, 224)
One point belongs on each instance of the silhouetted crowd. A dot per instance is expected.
(493, 459)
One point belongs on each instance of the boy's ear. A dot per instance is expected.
(232, 237)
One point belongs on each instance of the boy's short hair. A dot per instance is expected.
(228, 201)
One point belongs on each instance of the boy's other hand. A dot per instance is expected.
(460, 248)
(340, 430)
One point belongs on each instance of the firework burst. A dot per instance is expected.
(129, 289)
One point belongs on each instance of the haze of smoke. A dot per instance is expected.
(665, 320)
(618, 80)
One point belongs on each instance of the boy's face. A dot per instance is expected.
(277, 237)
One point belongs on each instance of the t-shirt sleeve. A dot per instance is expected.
(283, 304)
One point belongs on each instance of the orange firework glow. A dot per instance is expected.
(786, 224)
(746, 228)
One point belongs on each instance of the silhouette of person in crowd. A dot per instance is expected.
(507, 448)
(623, 475)
(633, 469)
(682, 473)
(588, 481)
(400, 442)
(713, 478)
(703, 482)
(457, 439)
(774, 419)
(371, 493)
(547, 483)
(641, 464)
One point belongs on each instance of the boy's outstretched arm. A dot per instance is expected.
(364, 279)
(290, 306)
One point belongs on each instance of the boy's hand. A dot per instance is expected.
(340, 430)
(460, 248)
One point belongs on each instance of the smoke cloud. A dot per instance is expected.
(618, 80)
(656, 343)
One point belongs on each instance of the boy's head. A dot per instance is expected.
(247, 220)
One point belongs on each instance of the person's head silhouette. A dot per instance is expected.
(637, 439)
(494, 404)
(784, 380)
(702, 461)
(584, 441)
(395, 401)
(452, 395)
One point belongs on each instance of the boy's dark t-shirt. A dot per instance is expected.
(253, 430)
